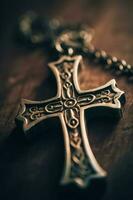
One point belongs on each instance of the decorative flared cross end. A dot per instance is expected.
(69, 105)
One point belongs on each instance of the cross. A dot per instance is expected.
(70, 105)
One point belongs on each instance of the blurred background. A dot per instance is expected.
(22, 75)
(104, 15)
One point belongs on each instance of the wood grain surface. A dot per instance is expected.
(32, 169)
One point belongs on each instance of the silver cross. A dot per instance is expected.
(69, 105)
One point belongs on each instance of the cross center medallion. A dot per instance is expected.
(70, 105)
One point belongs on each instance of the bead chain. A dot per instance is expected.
(110, 63)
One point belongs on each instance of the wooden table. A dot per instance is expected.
(31, 169)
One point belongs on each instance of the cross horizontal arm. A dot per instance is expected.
(69, 105)
(107, 96)
(32, 112)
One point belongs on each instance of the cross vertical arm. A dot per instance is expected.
(80, 164)
(69, 105)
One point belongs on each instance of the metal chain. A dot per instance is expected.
(68, 43)
(117, 66)
(68, 39)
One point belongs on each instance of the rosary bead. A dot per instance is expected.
(103, 54)
(127, 69)
(103, 58)
(118, 69)
(114, 59)
(97, 54)
(108, 64)
(123, 62)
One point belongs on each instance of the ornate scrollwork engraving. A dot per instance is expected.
(81, 168)
(86, 99)
(54, 107)
(68, 104)
(72, 117)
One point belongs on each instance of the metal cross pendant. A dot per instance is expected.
(69, 105)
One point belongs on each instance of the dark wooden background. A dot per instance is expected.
(31, 169)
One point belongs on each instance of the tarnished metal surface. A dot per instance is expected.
(69, 105)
